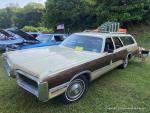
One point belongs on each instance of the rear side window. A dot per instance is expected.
(127, 40)
(117, 42)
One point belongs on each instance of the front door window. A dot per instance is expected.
(108, 45)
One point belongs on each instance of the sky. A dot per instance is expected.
(21, 3)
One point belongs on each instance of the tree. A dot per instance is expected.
(13, 16)
(124, 11)
(7, 17)
(31, 15)
(82, 14)
(73, 13)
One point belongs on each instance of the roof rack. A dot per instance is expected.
(109, 27)
(90, 31)
(113, 32)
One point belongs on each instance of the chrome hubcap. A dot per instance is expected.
(75, 90)
(126, 63)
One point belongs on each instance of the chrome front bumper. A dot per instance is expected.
(8, 67)
(32, 85)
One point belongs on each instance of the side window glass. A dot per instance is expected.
(117, 42)
(108, 45)
(127, 40)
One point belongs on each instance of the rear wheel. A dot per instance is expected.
(75, 90)
(125, 63)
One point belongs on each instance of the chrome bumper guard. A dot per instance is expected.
(10, 72)
(31, 84)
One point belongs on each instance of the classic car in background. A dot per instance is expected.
(19, 38)
(9, 38)
(68, 68)
(6, 35)
(27, 37)
(44, 40)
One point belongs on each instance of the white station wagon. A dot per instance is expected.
(67, 69)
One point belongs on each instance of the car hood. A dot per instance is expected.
(5, 33)
(23, 34)
(39, 45)
(46, 61)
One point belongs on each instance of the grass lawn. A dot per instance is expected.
(119, 91)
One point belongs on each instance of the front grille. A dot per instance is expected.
(27, 84)
(28, 81)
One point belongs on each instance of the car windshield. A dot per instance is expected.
(83, 43)
(44, 38)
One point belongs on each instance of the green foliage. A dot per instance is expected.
(73, 13)
(124, 10)
(7, 17)
(76, 14)
(84, 14)
(36, 29)
(31, 14)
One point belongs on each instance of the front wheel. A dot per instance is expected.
(75, 90)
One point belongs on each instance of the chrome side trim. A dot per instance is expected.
(58, 90)
(58, 87)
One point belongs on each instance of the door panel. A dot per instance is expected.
(119, 55)
(120, 51)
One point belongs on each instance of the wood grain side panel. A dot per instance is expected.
(66, 75)
(121, 55)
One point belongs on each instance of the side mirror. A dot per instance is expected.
(110, 51)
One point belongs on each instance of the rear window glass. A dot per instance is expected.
(127, 40)
(117, 42)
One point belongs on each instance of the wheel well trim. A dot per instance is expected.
(129, 55)
(79, 74)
